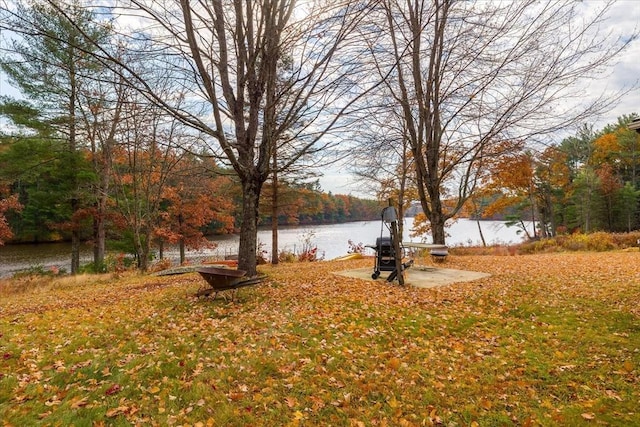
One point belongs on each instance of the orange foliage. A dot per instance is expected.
(510, 177)
(609, 182)
(190, 208)
(606, 149)
(552, 167)
(10, 203)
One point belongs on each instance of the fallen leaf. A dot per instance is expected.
(112, 390)
(117, 411)
(290, 401)
(394, 363)
(79, 403)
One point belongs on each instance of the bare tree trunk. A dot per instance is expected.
(533, 214)
(587, 210)
(100, 237)
(484, 242)
(247, 251)
(274, 211)
(75, 239)
(75, 201)
(101, 208)
(101, 233)
(437, 221)
(104, 185)
(402, 190)
(181, 242)
(478, 215)
(526, 230)
(144, 251)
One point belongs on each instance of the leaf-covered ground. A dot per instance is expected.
(546, 340)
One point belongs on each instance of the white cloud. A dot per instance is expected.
(340, 181)
(624, 20)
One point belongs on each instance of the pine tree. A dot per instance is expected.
(49, 61)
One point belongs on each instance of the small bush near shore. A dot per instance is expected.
(597, 242)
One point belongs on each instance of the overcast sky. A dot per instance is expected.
(625, 17)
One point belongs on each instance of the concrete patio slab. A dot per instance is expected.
(420, 276)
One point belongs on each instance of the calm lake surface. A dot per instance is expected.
(332, 241)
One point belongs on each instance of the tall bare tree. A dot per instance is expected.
(469, 75)
(226, 54)
(382, 156)
(101, 112)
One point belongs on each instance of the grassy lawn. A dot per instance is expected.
(548, 339)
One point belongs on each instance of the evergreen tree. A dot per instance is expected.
(40, 169)
(628, 197)
(48, 61)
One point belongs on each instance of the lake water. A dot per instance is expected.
(331, 240)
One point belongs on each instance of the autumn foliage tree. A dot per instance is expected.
(190, 203)
(147, 154)
(585, 183)
(7, 204)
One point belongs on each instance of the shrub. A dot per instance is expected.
(574, 242)
(540, 246)
(356, 248)
(309, 254)
(626, 240)
(261, 253)
(600, 241)
(309, 249)
(119, 263)
(287, 256)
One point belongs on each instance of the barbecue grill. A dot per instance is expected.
(385, 259)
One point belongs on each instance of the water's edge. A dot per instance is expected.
(332, 241)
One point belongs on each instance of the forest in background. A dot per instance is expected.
(179, 196)
(588, 182)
